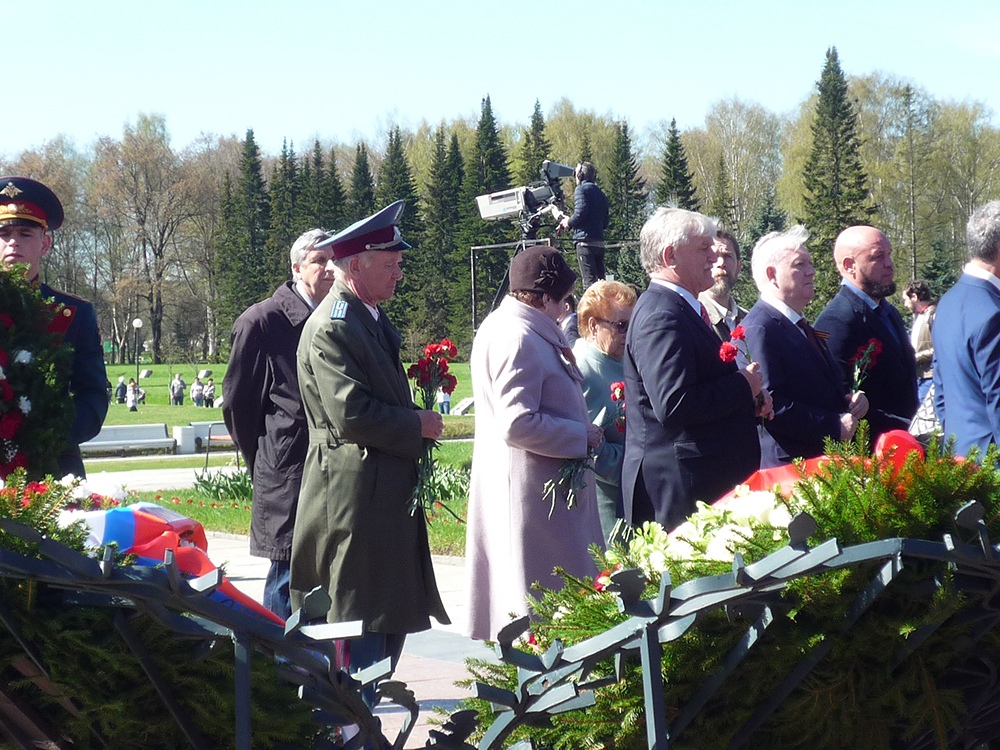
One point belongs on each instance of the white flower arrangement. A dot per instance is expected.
(23, 356)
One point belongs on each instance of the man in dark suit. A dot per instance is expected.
(723, 312)
(691, 430)
(967, 341)
(588, 222)
(860, 312)
(810, 403)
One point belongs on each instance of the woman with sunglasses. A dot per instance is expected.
(604, 312)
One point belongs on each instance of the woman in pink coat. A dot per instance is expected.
(530, 416)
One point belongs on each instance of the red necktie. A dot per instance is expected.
(704, 316)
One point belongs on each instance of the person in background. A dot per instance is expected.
(918, 300)
(29, 213)
(443, 401)
(177, 388)
(120, 390)
(723, 312)
(210, 393)
(198, 392)
(264, 411)
(605, 310)
(588, 222)
(132, 395)
(569, 321)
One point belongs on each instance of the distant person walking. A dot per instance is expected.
(177, 388)
(198, 392)
(132, 395)
(210, 394)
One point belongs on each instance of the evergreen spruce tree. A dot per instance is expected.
(720, 203)
(676, 186)
(767, 218)
(837, 194)
(395, 183)
(626, 192)
(283, 231)
(941, 271)
(586, 151)
(307, 201)
(485, 172)
(535, 148)
(361, 196)
(440, 220)
(244, 222)
(332, 201)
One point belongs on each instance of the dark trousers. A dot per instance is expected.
(591, 258)
(371, 648)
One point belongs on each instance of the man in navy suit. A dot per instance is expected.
(860, 312)
(691, 428)
(810, 403)
(967, 340)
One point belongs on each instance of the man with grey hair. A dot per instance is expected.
(723, 312)
(355, 534)
(690, 413)
(810, 403)
(967, 341)
(263, 410)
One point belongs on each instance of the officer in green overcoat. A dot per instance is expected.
(354, 533)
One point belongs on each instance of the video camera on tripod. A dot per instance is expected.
(528, 204)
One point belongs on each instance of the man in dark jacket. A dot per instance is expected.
(588, 222)
(861, 312)
(263, 409)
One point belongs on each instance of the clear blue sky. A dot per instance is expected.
(339, 70)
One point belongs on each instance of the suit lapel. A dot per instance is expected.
(823, 363)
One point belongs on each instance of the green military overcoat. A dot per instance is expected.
(354, 534)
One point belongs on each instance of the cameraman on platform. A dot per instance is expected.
(588, 222)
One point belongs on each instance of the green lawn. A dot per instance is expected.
(157, 408)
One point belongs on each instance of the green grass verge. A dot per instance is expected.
(135, 463)
(446, 534)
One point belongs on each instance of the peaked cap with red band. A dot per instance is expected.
(28, 202)
(377, 232)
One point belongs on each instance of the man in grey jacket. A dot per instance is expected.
(263, 409)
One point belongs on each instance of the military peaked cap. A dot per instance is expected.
(377, 232)
(24, 201)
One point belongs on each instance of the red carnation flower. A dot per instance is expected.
(618, 391)
(4, 359)
(10, 424)
(728, 351)
(6, 392)
(6, 320)
(739, 333)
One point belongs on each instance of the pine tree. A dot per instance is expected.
(535, 148)
(309, 207)
(333, 203)
(283, 230)
(586, 150)
(626, 192)
(241, 258)
(361, 196)
(837, 194)
(676, 182)
(395, 183)
(767, 218)
(721, 200)
(485, 172)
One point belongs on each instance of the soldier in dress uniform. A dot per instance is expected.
(29, 213)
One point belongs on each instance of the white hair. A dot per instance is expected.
(771, 248)
(305, 244)
(670, 227)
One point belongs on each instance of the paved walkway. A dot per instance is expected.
(432, 661)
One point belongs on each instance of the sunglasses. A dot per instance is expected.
(620, 326)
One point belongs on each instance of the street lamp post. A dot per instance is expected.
(137, 324)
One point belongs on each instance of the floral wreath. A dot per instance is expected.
(36, 409)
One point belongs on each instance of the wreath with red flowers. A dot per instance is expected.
(36, 409)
